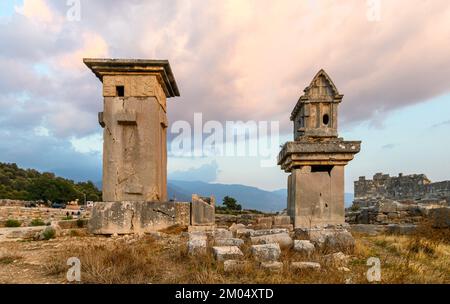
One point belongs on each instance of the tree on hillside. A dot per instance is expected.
(231, 203)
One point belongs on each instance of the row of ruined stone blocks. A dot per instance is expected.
(278, 221)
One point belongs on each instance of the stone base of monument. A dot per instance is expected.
(127, 217)
(137, 217)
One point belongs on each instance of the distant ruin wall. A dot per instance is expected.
(401, 187)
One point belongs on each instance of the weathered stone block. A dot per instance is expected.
(333, 239)
(282, 239)
(244, 232)
(222, 253)
(304, 247)
(197, 246)
(272, 266)
(229, 242)
(299, 266)
(337, 259)
(134, 217)
(387, 206)
(440, 217)
(202, 210)
(221, 233)
(264, 220)
(281, 220)
(234, 227)
(266, 252)
(267, 232)
(401, 228)
(289, 227)
(234, 266)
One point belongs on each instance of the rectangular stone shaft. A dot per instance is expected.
(135, 126)
(316, 196)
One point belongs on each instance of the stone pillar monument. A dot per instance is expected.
(316, 158)
(135, 122)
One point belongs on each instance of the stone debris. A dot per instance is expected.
(222, 253)
(234, 266)
(229, 242)
(332, 239)
(281, 220)
(198, 235)
(368, 229)
(305, 266)
(24, 233)
(266, 232)
(401, 228)
(282, 239)
(244, 232)
(413, 187)
(272, 266)
(221, 233)
(304, 247)
(337, 259)
(289, 227)
(266, 252)
(234, 227)
(263, 223)
(197, 246)
(209, 229)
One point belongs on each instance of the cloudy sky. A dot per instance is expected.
(233, 60)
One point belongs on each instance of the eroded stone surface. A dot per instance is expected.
(136, 217)
(197, 246)
(221, 233)
(282, 239)
(253, 233)
(272, 266)
(222, 253)
(266, 252)
(305, 266)
(304, 247)
(229, 242)
(234, 265)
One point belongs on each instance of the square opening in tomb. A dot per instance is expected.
(120, 91)
(322, 168)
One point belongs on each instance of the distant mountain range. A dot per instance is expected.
(249, 197)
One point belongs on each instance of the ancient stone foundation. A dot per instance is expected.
(141, 217)
(415, 187)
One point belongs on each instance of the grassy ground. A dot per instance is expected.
(422, 258)
(404, 259)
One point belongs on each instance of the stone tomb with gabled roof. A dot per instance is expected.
(317, 157)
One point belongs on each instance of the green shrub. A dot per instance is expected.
(12, 223)
(37, 222)
(48, 233)
(80, 223)
(67, 218)
(354, 208)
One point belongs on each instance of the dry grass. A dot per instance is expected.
(9, 257)
(404, 259)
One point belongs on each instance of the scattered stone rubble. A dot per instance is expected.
(264, 246)
(397, 215)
